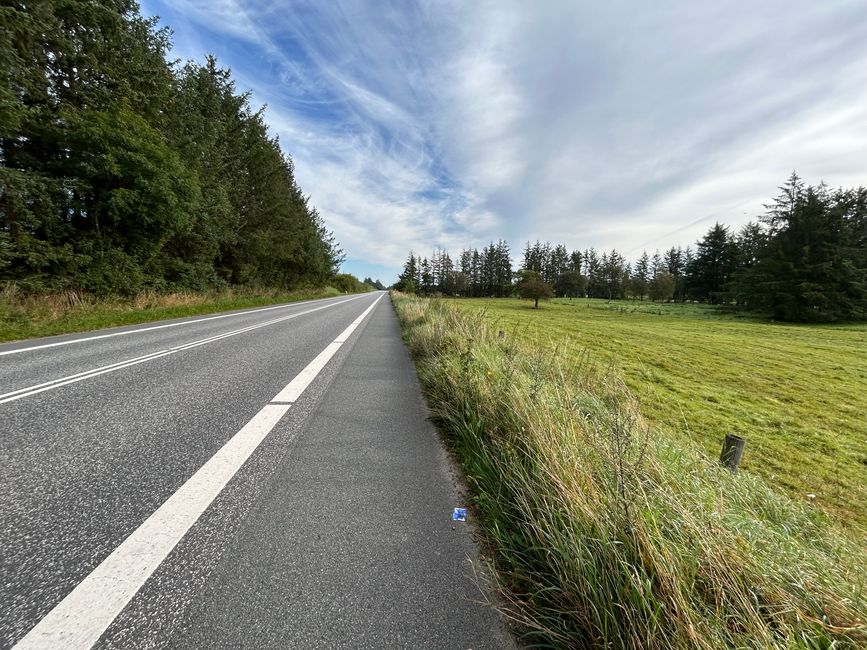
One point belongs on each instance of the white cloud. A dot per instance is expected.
(595, 124)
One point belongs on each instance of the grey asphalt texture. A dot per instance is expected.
(335, 533)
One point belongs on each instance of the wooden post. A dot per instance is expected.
(732, 451)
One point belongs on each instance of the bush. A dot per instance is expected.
(348, 283)
(536, 290)
(113, 273)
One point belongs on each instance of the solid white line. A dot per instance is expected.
(80, 619)
(292, 391)
(154, 327)
(95, 372)
(77, 621)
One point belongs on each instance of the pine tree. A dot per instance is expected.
(713, 266)
(120, 171)
(575, 261)
(807, 270)
(426, 285)
(408, 280)
(504, 269)
(557, 264)
(476, 277)
(593, 265)
(641, 276)
(675, 265)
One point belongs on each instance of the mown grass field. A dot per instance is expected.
(604, 533)
(24, 316)
(797, 393)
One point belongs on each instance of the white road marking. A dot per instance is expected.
(77, 621)
(80, 619)
(294, 388)
(148, 329)
(95, 372)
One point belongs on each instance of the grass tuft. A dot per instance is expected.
(607, 534)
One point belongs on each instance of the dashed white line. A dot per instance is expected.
(85, 613)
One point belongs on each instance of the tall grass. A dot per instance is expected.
(606, 535)
(26, 314)
(798, 393)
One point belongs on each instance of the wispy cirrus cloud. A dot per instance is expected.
(415, 125)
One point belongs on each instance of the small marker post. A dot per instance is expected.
(732, 452)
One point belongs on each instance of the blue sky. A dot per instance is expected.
(416, 125)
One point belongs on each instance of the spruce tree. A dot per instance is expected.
(641, 276)
(713, 265)
(808, 270)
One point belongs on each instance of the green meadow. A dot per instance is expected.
(603, 529)
(797, 393)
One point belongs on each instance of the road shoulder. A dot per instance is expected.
(352, 544)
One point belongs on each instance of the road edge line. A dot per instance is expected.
(83, 615)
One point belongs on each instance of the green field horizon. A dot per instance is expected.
(796, 393)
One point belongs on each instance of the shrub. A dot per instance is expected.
(348, 283)
(536, 290)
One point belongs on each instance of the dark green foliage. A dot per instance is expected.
(477, 273)
(661, 287)
(715, 262)
(813, 265)
(531, 287)
(120, 171)
(133, 195)
(408, 281)
(676, 261)
(805, 261)
(348, 283)
(570, 284)
(640, 280)
(555, 266)
(487, 272)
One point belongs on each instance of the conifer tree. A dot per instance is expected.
(641, 276)
(713, 266)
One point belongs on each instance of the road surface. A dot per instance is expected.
(255, 479)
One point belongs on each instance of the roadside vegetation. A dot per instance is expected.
(797, 393)
(28, 315)
(805, 260)
(607, 532)
(134, 186)
(126, 172)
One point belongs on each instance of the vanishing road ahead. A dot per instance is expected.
(256, 479)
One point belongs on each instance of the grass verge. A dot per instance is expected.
(25, 316)
(608, 535)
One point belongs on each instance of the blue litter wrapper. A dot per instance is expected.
(459, 514)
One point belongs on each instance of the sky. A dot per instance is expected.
(616, 124)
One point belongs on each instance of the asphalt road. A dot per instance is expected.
(258, 479)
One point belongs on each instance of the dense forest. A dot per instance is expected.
(121, 170)
(804, 260)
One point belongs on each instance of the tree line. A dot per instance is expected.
(122, 170)
(805, 259)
